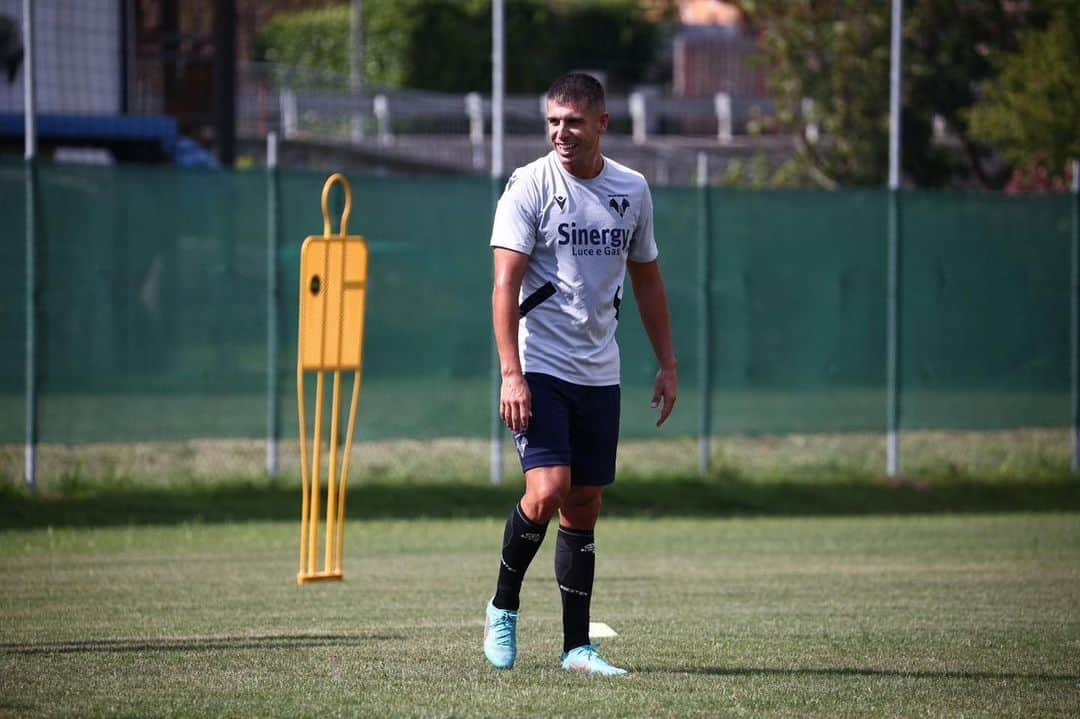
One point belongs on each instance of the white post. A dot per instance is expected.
(498, 88)
(811, 131)
(289, 114)
(704, 326)
(892, 399)
(894, 95)
(639, 117)
(474, 109)
(724, 121)
(940, 129)
(381, 108)
(271, 150)
(30, 147)
(271, 304)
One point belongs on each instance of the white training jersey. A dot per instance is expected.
(578, 235)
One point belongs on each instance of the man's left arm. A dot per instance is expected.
(653, 308)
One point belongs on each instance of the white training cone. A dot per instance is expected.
(599, 630)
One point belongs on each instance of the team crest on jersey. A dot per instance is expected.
(561, 201)
(619, 203)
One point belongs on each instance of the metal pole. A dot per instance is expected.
(356, 66)
(705, 323)
(639, 118)
(30, 467)
(225, 82)
(894, 94)
(892, 398)
(497, 89)
(1075, 306)
(474, 110)
(271, 304)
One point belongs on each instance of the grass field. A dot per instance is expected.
(794, 580)
(868, 616)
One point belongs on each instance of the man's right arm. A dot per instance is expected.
(515, 400)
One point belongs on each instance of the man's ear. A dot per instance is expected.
(603, 122)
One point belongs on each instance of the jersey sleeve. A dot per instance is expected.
(643, 242)
(516, 216)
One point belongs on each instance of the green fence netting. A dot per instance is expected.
(12, 304)
(798, 307)
(985, 310)
(153, 322)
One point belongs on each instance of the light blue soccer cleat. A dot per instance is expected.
(500, 636)
(587, 659)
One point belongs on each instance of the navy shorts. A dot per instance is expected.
(573, 425)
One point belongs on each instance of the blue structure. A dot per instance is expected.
(152, 139)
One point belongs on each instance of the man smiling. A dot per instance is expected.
(567, 229)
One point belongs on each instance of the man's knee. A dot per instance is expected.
(546, 488)
(581, 508)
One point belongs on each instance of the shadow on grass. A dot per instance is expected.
(853, 672)
(818, 491)
(195, 644)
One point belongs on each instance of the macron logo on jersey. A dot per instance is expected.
(593, 240)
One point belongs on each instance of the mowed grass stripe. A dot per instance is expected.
(942, 615)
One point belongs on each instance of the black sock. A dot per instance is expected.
(575, 565)
(521, 539)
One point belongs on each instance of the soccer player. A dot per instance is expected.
(566, 230)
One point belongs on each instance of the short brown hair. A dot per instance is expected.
(577, 87)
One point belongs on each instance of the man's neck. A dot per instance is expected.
(588, 170)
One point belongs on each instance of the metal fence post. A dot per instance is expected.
(498, 88)
(290, 115)
(809, 117)
(30, 467)
(271, 304)
(724, 121)
(381, 108)
(892, 301)
(474, 109)
(639, 118)
(892, 345)
(1075, 306)
(543, 115)
(705, 322)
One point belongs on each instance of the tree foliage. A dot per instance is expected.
(836, 54)
(319, 39)
(445, 45)
(1031, 110)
